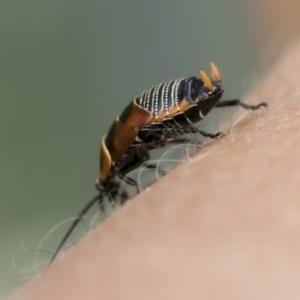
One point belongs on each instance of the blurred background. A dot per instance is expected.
(69, 67)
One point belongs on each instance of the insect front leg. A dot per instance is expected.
(237, 102)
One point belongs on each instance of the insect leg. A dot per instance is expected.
(79, 217)
(137, 159)
(180, 141)
(129, 181)
(237, 102)
(171, 132)
(155, 167)
(210, 135)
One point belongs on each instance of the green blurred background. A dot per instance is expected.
(67, 69)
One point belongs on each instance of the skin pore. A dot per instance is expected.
(223, 225)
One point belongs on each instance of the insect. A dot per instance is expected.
(152, 119)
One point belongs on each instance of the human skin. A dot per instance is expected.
(223, 225)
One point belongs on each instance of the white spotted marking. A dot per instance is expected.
(165, 94)
(156, 99)
(143, 99)
(148, 98)
(151, 100)
(175, 92)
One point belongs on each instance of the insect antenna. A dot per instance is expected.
(84, 210)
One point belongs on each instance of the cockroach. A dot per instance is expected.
(152, 119)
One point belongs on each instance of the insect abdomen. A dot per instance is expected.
(162, 100)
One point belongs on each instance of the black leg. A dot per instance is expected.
(237, 102)
(129, 181)
(141, 150)
(210, 135)
(136, 158)
(154, 167)
(180, 141)
(173, 132)
(84, 210)
(196, 130)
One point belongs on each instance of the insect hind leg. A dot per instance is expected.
(75, 222)
(173, 132)
(129, 181)
(113, 192)
(155, 167)
(207, 134)
(237, 102)
(136, 159)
